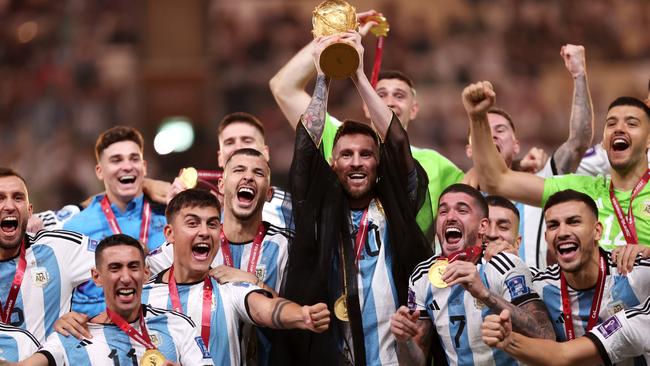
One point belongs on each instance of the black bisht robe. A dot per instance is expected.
(322, 221)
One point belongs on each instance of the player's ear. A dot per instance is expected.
(94, 274)
(169, 233)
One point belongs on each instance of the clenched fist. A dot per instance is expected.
(478, 98)
(574, 59)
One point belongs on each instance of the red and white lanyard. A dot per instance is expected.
(627, 223)
(115, 228)
(207, 303)
(595, 302)
(5, 316)
(256, 249)
(142, 338)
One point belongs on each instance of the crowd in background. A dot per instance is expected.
(71, 69)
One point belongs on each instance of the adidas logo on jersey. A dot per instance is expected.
(84, 343)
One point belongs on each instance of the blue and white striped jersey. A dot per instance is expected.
(621, 292)
(377, 291)
(457, 316)
(278, 210)
(57, 261)
(16, 344)
(270, 266)
(172, 333)
(624, 335)
(229, 310)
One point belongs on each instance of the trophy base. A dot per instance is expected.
(339, 60)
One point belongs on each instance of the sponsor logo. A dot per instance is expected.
(517, 286)
(609, 327)
(92, 245)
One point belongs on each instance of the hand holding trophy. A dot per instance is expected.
(338, 60)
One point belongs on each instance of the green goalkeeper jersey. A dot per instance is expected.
(598, 189)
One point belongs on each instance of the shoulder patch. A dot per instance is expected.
(517, 286)
(63, 214)
(609, 327)
(92, 245)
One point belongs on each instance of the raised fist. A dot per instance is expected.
(478, 98)
(574, 59)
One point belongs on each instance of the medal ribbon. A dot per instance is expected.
(207, 303)
(15, 287)
(472, 254)
(142, 338)
(627, 224)
(379, 50)
(115, 228)
(255, 250)
(595, 302)
(360, 239)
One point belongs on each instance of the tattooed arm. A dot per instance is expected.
(530, 318)
(280, 313)
(581, 126)
(314, 117)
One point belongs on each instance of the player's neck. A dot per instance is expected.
(9, 253)
(238, 230)
(129, 316)
(186, 275)
(586, 277)
(120, 201)
(360, 203)
(626, 179)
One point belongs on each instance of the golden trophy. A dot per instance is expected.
(338, 60)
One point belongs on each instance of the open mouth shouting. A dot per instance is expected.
(9, 225)
(567, 250)
(453, 234)
(127, 179)
(201, 251)
(619, 143)
(126, 294)
(246, 195)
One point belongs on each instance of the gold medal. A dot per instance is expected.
(382, 27)
(341, 308)
(436, 271)
(189, 177)
(152, 357)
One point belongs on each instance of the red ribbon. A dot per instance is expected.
(115, 228)
(207, 303)
(255, 250)
(142, 338)
(595, 302)
(5, 316)
(627, 224)
(379, 50)
(361, 237)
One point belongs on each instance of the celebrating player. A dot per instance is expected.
(439, 289)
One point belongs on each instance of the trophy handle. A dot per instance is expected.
(339, 60)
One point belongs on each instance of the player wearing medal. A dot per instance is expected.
(396, 90)
(356, 235)
(585, 287)
(452, 293)
(39, 272)
(622, 199)
(128, 332)
(123, 208)
(621, 336)
(194, 229)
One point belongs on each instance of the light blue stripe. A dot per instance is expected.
(76, 354)
(8, 348)
(45, 257)
(456, 311)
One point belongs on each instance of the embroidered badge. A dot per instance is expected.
(609, 327)
(517, 286)
(40, 276)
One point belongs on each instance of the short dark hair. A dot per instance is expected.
(8, 172)
(194, 197)
(499, 201)
(395, 74)
(248, 152)
(115, 240)
(242, 117)
(350, 127)
(118, 134)
(501, 112)
(630, 101)
(569, 195)
(470, 191)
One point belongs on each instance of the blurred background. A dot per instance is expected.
(70, 69)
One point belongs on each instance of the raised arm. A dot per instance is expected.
(288, 85)
(494, 176)
(581, 127)
(313, 117)
(280, 313)
(497, 332)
